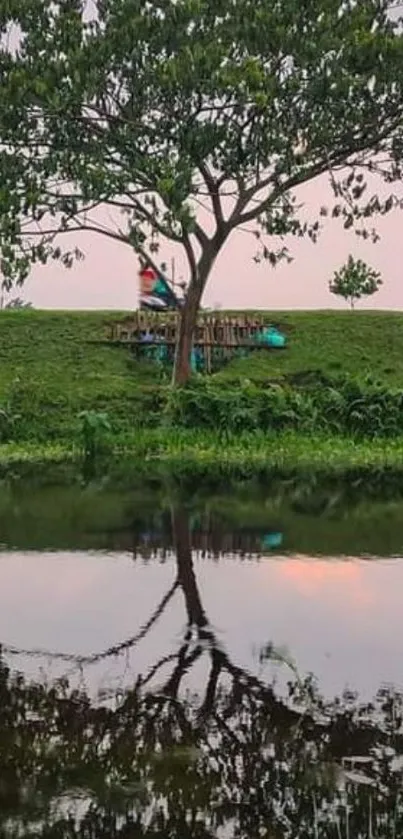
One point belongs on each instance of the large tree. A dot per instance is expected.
(153, 108)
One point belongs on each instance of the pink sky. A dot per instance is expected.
(107, 278)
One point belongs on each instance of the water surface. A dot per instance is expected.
(190, 669)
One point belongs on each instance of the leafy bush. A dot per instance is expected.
(8, 423)
(343, 407)
(308, 405)
(94, 428)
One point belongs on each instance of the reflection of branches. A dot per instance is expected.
(199, 638)
(80, 660)
(239, 769)
(212, 684)
(200, 630)
(154, 670)
(235, 759)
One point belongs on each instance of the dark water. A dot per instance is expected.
(223, 665)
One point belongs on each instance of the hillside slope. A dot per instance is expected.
(363, 343)
(54, 365)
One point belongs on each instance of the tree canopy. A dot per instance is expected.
(156, 108)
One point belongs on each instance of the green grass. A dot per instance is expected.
(199, 454)
(334, 342)
(54, 365)
(58, 352)
(51, 348)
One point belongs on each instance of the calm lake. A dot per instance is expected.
(224, 665)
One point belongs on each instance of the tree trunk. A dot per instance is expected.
(188, 317)
(187, 323)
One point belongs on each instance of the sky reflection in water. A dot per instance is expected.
(202, 746)
(339, 618)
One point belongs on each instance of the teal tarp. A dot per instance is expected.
(271, 337)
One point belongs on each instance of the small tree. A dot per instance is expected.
(354, 280)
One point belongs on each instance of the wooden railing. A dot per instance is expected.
(211, 330)
(217, 337)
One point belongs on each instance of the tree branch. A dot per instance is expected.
(110, 234)
(201, 236)
(299, 178)
(213, 192)
(307, 174)
(81, 228)
(190, 254)
(139, 207)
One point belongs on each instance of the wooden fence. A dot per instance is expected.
(212, 330)
(216, 338)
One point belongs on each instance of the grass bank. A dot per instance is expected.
(196, 455)
(340, 378)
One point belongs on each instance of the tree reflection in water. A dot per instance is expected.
(235, 760)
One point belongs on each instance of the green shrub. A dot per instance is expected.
(9, 422)
(95, 428)
(344, 407)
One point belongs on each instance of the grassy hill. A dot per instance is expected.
(336, 342)
(54, 365)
